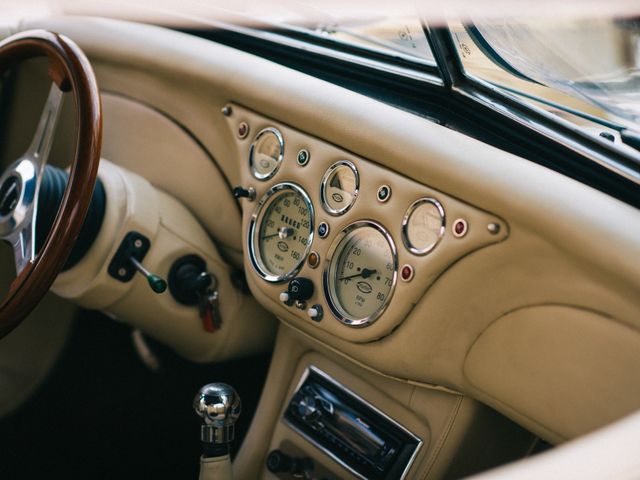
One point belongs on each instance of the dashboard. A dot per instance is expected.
(335, 240)
(454, 294)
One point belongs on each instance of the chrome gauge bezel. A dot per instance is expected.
(261, 176)
(254, 229)
(405, 226)
(328, 280)
(323, 185)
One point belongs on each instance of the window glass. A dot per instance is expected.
(588, 65)
(401, 37)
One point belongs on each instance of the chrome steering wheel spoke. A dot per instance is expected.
(38, 151)
(20, 185)
(23, 243)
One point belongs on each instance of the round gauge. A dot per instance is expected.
(340, 186)
(361, 273)
(266, 153)
(281, 232)
(423, 226)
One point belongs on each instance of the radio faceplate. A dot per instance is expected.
(350, 430)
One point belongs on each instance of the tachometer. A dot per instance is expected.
(361, 274)
(281, 232)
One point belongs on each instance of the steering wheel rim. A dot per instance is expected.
(69, 70)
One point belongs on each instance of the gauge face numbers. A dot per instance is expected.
(362, 273)
(423, 226)
(281, 232)
(340, 186)
(266, 153)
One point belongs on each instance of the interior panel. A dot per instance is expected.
(530, 358)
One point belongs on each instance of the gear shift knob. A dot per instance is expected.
(218, 404)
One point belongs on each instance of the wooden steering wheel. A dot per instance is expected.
(69, 70)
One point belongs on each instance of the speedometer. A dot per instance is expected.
(361, 274)
(280, 232)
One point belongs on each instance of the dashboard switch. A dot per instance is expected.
(128, 259)
(315, 313)
(300, 288)
(284, 298)
(249, 193)
(156, 283)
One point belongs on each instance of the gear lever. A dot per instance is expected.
(219, 406)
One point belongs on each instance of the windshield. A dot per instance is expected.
(595, 59)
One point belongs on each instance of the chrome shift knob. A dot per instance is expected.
(218, 404)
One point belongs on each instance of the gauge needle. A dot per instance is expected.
(365, 273)
(283, 232)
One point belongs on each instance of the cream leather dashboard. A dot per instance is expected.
(536, 316)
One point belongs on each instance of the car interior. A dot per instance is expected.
(358, 273)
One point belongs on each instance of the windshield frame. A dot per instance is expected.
(620, 159)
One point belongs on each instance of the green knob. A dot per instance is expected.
(156, 283)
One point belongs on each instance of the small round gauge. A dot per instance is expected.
(340, 186)
(266, 153)
(281, 232)
(423, 226)
(361, 273)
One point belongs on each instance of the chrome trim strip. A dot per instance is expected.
(326, 376)
(405, 225)
(329, 287)
(256, 220)
(260, 176)
(323, 197)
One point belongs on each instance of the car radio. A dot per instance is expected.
(354, 433)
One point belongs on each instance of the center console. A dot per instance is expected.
(342, 250)
(324, 417)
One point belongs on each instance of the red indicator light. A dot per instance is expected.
(460, 227)
(406, 273)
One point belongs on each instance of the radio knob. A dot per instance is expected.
(308, 409)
